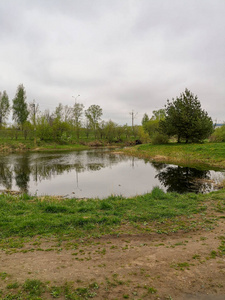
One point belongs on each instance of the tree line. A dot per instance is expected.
(65, 124)
(182, 119)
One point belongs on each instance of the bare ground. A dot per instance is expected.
(138, 266)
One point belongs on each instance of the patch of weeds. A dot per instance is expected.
(3, 275)
(196, 256)
(102, 265)
(181, 266)
(222, 247)
(12, 243)
(113, 247)
(115, 281)
(56, 292)
(151, 290)
(180, 244)
(34, 287)
(94, 285)
(213, 254)
(14, 285)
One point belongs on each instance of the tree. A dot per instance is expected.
(93, 114)
(44, 129)
(186, 119)
(151, 126)
(33, 112)
(4, 107)
(110, 130)
(218, 135)
(77, 116)
(20, 110)
(145, 119)
(159, 114)
(59, 113)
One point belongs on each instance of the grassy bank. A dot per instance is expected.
(27, 216)
(208, 154)
(22, 145)
(28, 145)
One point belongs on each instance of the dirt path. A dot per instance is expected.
(154, 266)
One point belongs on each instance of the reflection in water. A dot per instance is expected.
(183, 179)
(5, 176)
(96, 173)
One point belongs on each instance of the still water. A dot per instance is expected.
(98, 173)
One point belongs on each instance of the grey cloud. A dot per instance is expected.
(122, 55)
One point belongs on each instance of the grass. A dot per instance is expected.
(26, 216)
(37, 290)
(28, 145)
(208, 154)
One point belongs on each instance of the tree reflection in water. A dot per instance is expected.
(39, 167)
(26, 172)
(183, 179)
(5, 175)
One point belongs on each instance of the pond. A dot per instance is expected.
(98, 173)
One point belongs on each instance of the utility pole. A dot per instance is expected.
(76, 98)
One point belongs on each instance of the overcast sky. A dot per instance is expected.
(124, 55)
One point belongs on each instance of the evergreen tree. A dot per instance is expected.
(20, 109)
(186, 119)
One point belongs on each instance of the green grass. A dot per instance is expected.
(33, 289)
(208, 154)
(26, 145)
(27, 216)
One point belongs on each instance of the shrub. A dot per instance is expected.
(218, 135)
(159, 138)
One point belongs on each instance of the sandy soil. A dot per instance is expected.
(139, 266)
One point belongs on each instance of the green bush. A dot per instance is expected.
(218, 135)
(159, 138)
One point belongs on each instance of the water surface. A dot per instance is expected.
(98, 173)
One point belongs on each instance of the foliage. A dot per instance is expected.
(186, 119)
(151, 126)
(34, 112)
(4, 107)
(60, 131)
(59, 112)
(93, 114)
(159, 138)
(110, 130)
(218, 135)
(143, 136)
(159, 114)
(77, 117)
(43, 128)
(27, 129)
(145, 119)
(20, 109)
